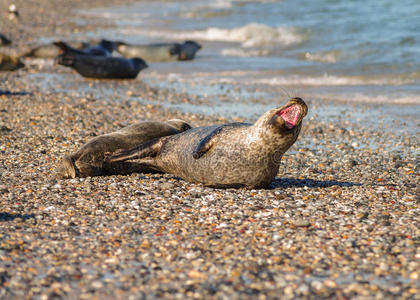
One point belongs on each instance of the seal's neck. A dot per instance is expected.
(264, 126)
(272, 128)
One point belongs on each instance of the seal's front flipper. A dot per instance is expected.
(209, 141)
(148, 149)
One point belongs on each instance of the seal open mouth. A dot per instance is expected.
(290, 115)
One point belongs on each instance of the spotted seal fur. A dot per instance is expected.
(89, 159)
(230, 155)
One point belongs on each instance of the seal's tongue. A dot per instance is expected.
(290, 115)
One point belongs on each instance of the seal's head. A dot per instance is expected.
(188, 50)
(290, 116)
(192, 44)
(285, 120)
(139, 63)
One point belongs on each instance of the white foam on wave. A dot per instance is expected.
(331, 80)
(257, 77)
(327, 56)
(241, 52)
(228, 3)
(250, 35)
(220, 4)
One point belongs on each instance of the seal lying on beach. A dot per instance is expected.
(230, 155)
(10, 63)
(4, 40)
(93, 66)
(89, 159)
(51, 50)
(103, 48)
(159, 52)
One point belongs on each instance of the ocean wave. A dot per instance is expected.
(250, 35)
(257, 77)
(324, 56)
(241, 52)
(331, 80)
(220, 4)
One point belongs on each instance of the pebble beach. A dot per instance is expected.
(340, 221)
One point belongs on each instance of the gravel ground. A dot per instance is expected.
(340, 221)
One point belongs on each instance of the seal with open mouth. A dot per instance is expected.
(159, 52)
(230, 155)
(89, 159)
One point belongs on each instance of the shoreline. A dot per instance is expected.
(341, 220)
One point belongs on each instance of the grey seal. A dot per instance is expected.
(89, 159)
(160, 52)
(230, 155)
(103, 48)
(51, 50)
(107, 67)
(10, 63)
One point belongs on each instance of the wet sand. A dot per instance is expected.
(340, 221)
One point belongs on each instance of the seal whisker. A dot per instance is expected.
(284, 90)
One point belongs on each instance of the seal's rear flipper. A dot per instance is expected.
(148, 149)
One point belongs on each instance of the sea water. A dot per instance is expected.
(338, 50)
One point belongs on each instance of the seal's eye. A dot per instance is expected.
(290, 115)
